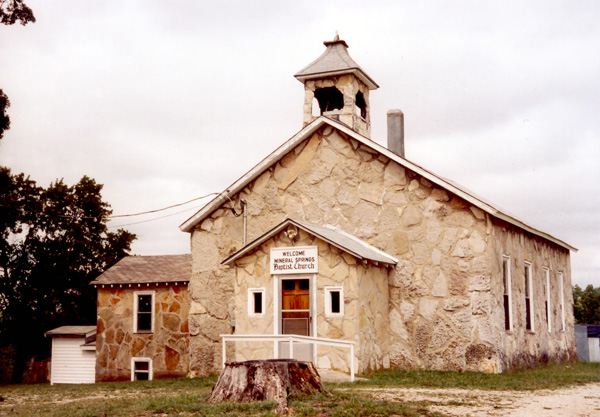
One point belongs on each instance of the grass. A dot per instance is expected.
(544, 377)
(185, 397)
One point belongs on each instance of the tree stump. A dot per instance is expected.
(268, 380)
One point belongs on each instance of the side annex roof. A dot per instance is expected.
(147, 270)
(321, 121)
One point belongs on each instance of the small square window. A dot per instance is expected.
(141, 369)
(334, 301)
(256, 301)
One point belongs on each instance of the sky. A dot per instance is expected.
(165, 102)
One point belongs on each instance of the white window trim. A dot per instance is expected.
(133, 362)
(549, 314)
(509, 290)
(135, 311)
(328, 307)
(251, 306)
(562, 300)
(529, 283)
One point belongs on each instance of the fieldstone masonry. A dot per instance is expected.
(443, 301)
(365, 320)
(349, 86)
(117, 343)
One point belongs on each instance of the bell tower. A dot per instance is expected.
(335, 86)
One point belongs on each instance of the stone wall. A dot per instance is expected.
(521, 347)
(252, 271)
(349, 86)
(373, 318)
(364, 318)
(443, 300)
(116, 342)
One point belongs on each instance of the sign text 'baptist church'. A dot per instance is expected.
(295, 260)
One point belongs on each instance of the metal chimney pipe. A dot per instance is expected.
(395, 131)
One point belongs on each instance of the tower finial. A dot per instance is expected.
(337, 36)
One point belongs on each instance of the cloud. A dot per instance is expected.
(164, 102)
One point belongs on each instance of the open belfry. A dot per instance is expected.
(367, 259)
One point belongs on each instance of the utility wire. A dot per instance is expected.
(109, 218)
(155, 218)
(161, 209)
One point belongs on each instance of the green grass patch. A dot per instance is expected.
(347, 403)
(185, 397)
(544, 377)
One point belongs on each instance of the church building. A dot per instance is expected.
(335, 238)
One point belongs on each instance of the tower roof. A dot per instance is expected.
(335, 61)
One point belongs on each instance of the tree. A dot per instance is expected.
(12, 11)
(4, 119)
(586, 304)
(54, 242)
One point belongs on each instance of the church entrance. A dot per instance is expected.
(296, 316)
(295, 307)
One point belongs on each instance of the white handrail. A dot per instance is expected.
(290, 338)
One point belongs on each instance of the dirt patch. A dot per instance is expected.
(580, 401)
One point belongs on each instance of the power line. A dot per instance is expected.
(161, 209)
(155, 218)
(109, 218)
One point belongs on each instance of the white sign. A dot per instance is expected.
(295, 260)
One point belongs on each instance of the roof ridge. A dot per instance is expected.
(316, 124)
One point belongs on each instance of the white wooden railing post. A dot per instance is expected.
(291, 348)
(224, 352)
(351, 363)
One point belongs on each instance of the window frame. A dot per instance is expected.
(328, 307)
(548, 299)
(136, 295)
(140, 360)
(507, 292)
(251, 302)
(561, 283)
(528, 292)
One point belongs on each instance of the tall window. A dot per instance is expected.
(547, 297)
(562, 300)
(143, 312)
(256, 301)
(528, 297)
(141, 369)
(508, 325)
(334, 301)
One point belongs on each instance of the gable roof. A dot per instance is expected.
(335, 61)
(321, 121)
(330, 234)
(147, 270)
